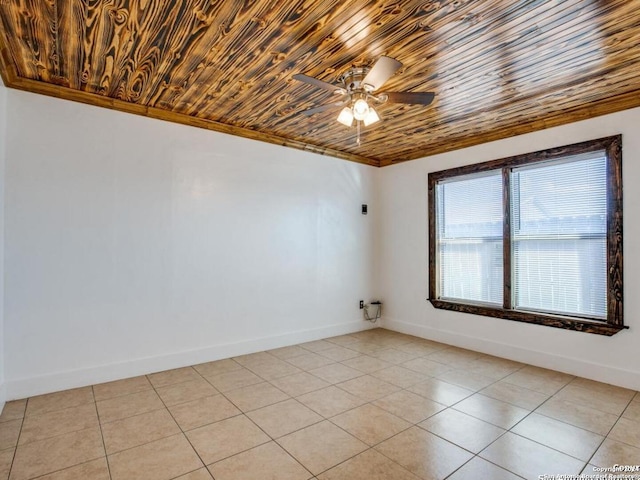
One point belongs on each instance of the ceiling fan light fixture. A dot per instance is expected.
(360, 109)
(371, 117)
(346, 117)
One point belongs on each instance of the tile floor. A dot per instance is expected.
(366, 406)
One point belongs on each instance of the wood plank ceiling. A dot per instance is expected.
(498, 67)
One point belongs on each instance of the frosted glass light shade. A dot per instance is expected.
(371, 117)
(360, 109)
(346, 117)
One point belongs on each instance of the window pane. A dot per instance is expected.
(559, 237)
(469, 222)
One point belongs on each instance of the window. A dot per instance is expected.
(535, 238)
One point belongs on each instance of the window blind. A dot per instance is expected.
(469, 223)
(559, 235)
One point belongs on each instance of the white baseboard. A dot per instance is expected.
(573, 366)
(28, 387)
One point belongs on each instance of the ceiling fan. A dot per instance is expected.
(359, 89)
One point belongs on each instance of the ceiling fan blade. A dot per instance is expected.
(415, 98)
(301, 77)
(382, 71)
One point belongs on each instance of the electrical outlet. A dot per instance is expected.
(361, 304)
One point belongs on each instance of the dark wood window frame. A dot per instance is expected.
(614, 321)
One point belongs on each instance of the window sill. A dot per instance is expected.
(556, 321)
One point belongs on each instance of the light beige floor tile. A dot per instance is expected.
(13, 410)
(338, 354)
(317, 346)
(128, 406)
(578, 415)
(321, 446)
(441, 392)
(118, 388)
(633, 411)
(409, 406)
(203, 411)
(267, 461)
(255, 396)
(479, 469)
(330, 401)
(560, 436)
(490, 410)
(9, 433)
(160, 460)
(6, 459)
(418, 349)
(463, 430)
(613, 453)
(530, 459)
(595, 398)
(394, 355)
(57, 453)
(399, 376)
(598, 387)
(40, 427)
(368, 388)
(255, 359)
(93, 470)
(284, 417)
(470, 381)
(171, 377)
(234, 379)
(416, 449)
(186, 392)
(538, 380)
(226, 438)
(288, 352)
(59, 400)
(336, 372)
(134, 431)
(217, 367)
(369, 465)
(626, 431)
(494, 367)
(342, 339)
(549, 375)
(309, 361)
(370, 424)
(274, 369)
(456, 357)
(426, 367)
(515, 395)
(299, 384)
(366, 348)
(366, 364)
(200, 474)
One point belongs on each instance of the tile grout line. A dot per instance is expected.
(104, 444)
(15, 452)
(455, 367)
(608, 433)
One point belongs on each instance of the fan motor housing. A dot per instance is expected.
(352, 79)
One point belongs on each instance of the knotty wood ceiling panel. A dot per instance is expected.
(498, 67)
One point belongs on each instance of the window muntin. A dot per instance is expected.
(586, 236)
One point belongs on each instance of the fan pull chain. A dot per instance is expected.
(358, 137)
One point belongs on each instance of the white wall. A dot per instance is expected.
(403, 268)
(135, 245)
(3, 111)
